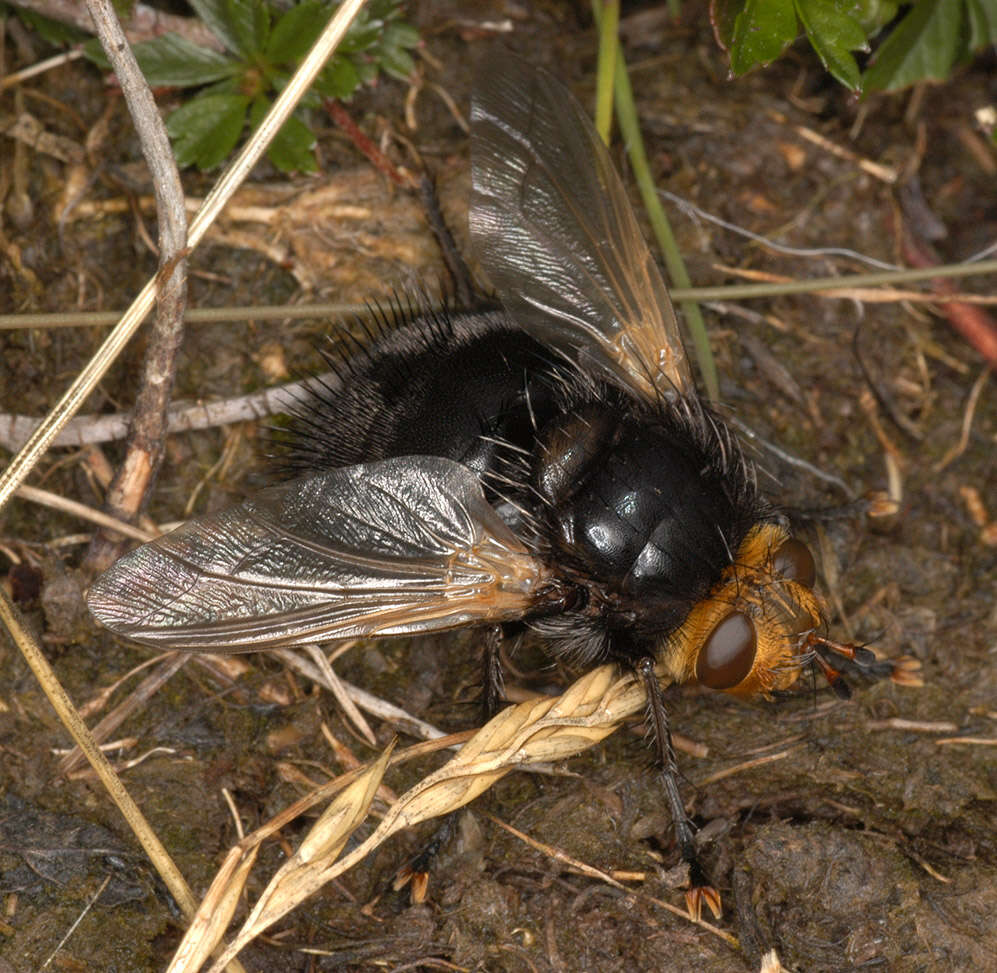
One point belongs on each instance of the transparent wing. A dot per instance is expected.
(554, 231)
(398, 546)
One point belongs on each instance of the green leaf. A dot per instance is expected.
(874, 15)
(366, 68)
(241, 25)
(339, 79)
(834, 34)
(215, 14)
(251, 24)
(982, 16)
(925, 44)
(292, 149)
(50, 30)
(397, 63)
(206, 129)
(363, 32)
(400, 34)
(762, 31)
(173, 61)
(723, 14)
(295, 32)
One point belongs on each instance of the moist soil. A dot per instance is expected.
(842, 834)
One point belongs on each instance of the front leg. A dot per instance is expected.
(700, 888)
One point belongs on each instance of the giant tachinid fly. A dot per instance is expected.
(546, 462)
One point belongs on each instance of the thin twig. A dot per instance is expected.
(165, 669)
(144, 24)
(402, 721)
(967, 423)
(72, 507)
(86, 429)
(127, 493)
(339, 691)
(22, 464)
(78, 920)
(41, 67)
(597, 873)
(70, 719)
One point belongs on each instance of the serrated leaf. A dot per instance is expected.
(173, 61)
(250, 21)
(397, 62)
(363, 32)
(339, 79)
(400, 34)
(215, 14)
(206, 129)
(924, 45)
(762, 31)
(295, 32)
(292, 149)
(833, 34)
(982, 16)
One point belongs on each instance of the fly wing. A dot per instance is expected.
(398, 546)
(555, 232)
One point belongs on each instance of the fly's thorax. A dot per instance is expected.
(749, 635)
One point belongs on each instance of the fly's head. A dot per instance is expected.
(763, 623)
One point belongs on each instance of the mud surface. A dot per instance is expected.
(844, 835)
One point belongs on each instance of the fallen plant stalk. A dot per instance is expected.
(536, 731)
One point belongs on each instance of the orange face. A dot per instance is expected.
(750, 635)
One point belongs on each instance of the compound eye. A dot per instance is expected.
(729, 652)
(794, 562)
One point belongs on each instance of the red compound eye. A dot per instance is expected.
(794, 562)
(729, 652)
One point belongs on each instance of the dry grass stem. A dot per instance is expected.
(600, 875)
(52, 500)
(886, 174)
(971, 741)
(338, 690)
(301, 875)
(912, 726)
(748, 765)
(166, 668)
(967, 422)
(398, 718)
(216, 911)
(536, 731)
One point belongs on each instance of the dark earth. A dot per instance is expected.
(861, 842)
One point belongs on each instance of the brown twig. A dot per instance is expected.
(127, 493)
(336, 111)
(597, 873)
(144, 23)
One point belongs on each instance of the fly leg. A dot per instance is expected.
(700, 889)
(492, 676)
(460, 276)
(416, 870)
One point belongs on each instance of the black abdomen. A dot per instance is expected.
(436, 384)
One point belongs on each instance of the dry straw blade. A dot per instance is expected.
(533, 732)
(292, 884)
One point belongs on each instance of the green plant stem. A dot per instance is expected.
(606, 70)
(626, 115)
